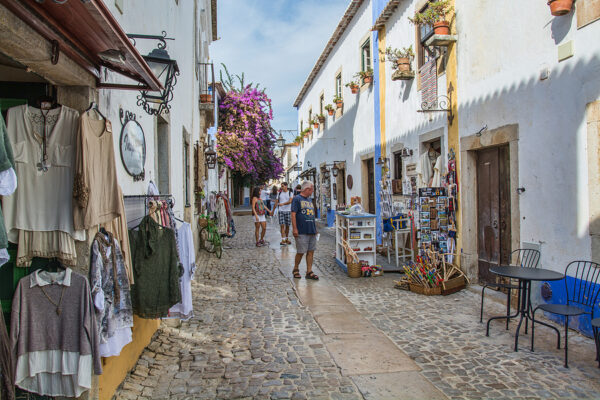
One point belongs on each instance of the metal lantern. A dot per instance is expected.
(166, 70)
(335, 170)
(211, 158)
(406, 152)
(280, 141)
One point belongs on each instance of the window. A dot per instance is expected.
(310, 116)
(338, 85)
(398, 165)
(321, 104)
(423, 33)
(301, 126)
(186, 167)
(365, 55)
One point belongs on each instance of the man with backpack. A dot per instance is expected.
(284, 201)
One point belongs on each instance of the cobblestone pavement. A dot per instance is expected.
(252, 338)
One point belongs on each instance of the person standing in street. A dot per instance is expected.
(297, 190)
(259, 212)
(273, 201)
(304, 229)
(284, 202)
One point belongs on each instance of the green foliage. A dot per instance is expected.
(337, 99)
(364, 74)
(229, 84)
(352, 84)
(435, 11)
(329, 107)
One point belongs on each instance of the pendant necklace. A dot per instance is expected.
(51, 301)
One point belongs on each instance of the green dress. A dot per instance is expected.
(156, 270)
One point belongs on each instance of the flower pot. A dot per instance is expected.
(368, 79)
(403, 64)
(322, 120)
(206, 98)
(354, 89)
(339, 104)
(441, 28)
(316, 126)
(330, 112)
(560, 7)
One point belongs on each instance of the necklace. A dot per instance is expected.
(51, 301)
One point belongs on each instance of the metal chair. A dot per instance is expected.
(596, 329)
(581, 298)
(526, 258)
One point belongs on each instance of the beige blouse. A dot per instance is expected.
(95, 190)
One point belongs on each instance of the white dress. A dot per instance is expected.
(437, 173)
(187, 255)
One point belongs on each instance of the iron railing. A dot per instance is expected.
(207, 82)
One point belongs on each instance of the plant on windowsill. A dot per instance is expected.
(400, 58)
(435, 15)
(315, 122)
(321, 118)
(329, 109)
(366, 76)
(560, 7)
(339, 102)
(353, 85)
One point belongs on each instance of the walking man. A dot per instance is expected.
(284, 201)
(304, 229)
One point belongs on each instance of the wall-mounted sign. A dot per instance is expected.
(349, 182)
(132, 145)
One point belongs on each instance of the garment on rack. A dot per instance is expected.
(424, 170)
(437, 173)
(45, 184)
(56, 244)
(187, 255)
(53, 334)
(222, 220)
(8, 184)
(95, 189)
(7, 388)
(111, 294)
(155, 269)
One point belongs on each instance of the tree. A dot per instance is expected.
(245, 139)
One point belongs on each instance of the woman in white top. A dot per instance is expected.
(259, 211)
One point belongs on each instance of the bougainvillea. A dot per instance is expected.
(245, 139)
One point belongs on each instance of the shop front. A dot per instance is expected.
(64, 212)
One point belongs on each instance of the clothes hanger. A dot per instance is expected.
(94, 106)
(54, 265)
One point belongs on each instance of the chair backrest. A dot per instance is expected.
(527, 258)
(586, 283)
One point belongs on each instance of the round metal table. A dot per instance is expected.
(525, 277)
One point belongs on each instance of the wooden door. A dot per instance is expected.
(493, 210)
(371, 183)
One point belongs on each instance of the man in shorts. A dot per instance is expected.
(284, 202)
(304, 229)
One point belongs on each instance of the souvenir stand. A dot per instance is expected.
(359, 233)
(433, 219)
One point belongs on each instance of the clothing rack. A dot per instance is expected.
(136, 206)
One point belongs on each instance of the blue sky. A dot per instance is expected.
(275, 43)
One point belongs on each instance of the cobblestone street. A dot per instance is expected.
(257, 333)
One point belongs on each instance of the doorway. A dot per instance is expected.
(493, 209)
(371, 183)
(163, 162)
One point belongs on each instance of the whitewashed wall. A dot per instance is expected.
(499, 84)
(350, 136)
(151, 17)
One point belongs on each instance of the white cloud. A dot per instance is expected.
(275, 43)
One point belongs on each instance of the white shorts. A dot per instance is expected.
(261, 218)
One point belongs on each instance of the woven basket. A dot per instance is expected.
(202, 222)
(425, 290)
(354, 270)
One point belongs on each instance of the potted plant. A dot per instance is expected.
(315, 122)
(366, 76)
(339, 102)
(353, 85)
(400, 58)
(560, 7)
(329, 109)
(321, 118)
(435, 14)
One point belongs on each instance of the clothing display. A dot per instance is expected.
(43, 146)
(437, 173)
(424, 171)
(53, 334)
(8, 184)
(155, 269)
(187, 255)
(7, 389)
(95, 188)
(110, 292)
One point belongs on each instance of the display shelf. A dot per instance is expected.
(348, 223)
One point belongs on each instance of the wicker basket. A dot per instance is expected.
(354, 270)
(202, 222)
(425, 290)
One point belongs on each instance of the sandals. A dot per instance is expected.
(296, 274)
(312, 275)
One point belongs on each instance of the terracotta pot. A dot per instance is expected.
(206, 98)
(403, 64)
(354, 89)
(368, 79)
(330, 112)
(560, 7)
(339, 104)
(316, 126)
(322, 120)
(441, 28)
